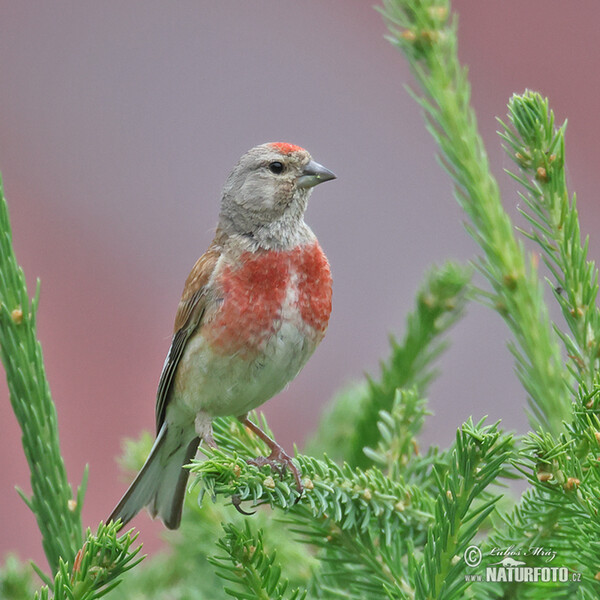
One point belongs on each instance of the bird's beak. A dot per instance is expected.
(313, 174)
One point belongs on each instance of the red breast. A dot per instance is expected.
(255, 291)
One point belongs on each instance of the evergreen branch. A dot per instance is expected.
(255, 573)
(351, 498)
(355, 564)
(440, 303)
(479, 458)
(351, 514)
(426, 34)
(58, 514)
(398, 430)
(364, 522)
(560, 511)
(351, 423)
(538, 148)
(97, 568)
(185, 571)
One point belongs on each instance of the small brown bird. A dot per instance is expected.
(253, 310)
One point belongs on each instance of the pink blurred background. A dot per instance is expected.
(119, 122)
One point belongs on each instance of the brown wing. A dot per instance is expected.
(190, 312)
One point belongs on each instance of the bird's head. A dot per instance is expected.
(269, 188)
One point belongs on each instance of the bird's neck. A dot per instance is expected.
(284, 234)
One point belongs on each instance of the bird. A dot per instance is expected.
(254, 308)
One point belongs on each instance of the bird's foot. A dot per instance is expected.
(278, 460)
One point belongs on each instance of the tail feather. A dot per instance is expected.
(161, 483)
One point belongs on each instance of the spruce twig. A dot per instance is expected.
(97, 567)
(350, 497)
(426, 33)
(398, 429)
(560, 510)
(538, 148)
(478, 459)
(254, 572)
(562, 469)
(57, 511)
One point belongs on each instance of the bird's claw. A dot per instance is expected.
(237, 504)
(279, 461)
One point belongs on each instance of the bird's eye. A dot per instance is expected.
(276, 167)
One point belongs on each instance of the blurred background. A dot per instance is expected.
(119, 122)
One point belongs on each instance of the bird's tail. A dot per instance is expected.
(161, 483)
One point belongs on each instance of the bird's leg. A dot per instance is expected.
(203, 425)
(278, 458)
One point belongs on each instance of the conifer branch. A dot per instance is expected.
(56, 509)
(15, 580)
(479, 457)
(352, 498)
(426, 34)
(538, 149)
(560, 510)
(254, 573)
(350, 514)
(363, 521)
(398, 430)
(97, 567)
